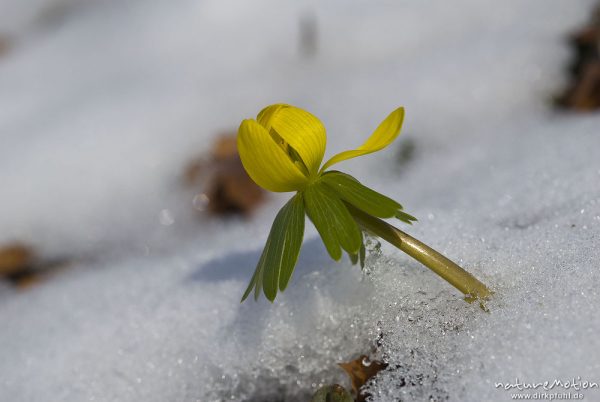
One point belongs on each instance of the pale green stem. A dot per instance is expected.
(472, 288)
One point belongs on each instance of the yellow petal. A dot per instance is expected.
(304, 133)
(383, 136)
(266, 163)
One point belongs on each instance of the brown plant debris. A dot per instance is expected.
(583, 93)
(360, 371)
(227, 188)
(14, 258)
(332, 393)
(21, 268)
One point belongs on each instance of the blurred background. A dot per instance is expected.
(117, 155)
(105, 104)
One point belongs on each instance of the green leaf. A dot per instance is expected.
(404, 217)
(353, 258)
(253, 282)
(295, 235)
(281, 251)
(333, 221)
(360, 255)
(353, 192)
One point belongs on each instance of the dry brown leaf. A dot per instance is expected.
(38, 273)
(225, 147)
(360, 371)
(15, 258)
(583, 93)
(20, 267)
(228, 188)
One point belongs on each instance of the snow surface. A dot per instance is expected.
(103, 102)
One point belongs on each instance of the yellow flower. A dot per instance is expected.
(283, 148)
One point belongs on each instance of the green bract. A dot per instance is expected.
(280, 254)
(325, 202)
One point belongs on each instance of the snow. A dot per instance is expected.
(102, 105)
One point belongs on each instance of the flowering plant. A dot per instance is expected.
(282, 151)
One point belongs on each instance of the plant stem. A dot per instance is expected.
(472, 288)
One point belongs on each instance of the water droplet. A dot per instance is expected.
(165, 217)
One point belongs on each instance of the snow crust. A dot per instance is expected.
(102, 104)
